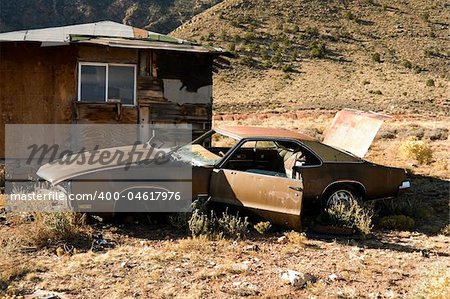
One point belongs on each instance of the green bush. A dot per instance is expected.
(351, 215)
(317, 50)
(262, 227)
(407, 64)
(287, 68)
(376, 57)
(206, 223)
(425, 17)
(397, 222)
(430, 83)
(349, 15)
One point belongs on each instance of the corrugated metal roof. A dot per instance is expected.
(150, 44)
(106, 33)
(62, 34)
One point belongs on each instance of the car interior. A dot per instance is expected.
(275, 158)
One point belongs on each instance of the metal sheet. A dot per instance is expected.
(110, 34)
(354, 130)
(147, 44)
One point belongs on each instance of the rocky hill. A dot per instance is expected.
(313, 54)
(157, 15)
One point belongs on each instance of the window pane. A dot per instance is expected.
(93, 83)
(121, 84)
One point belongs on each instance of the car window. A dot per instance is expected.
(330, 154)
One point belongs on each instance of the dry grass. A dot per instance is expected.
(435, 283)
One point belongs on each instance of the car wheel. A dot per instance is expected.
(337, 196)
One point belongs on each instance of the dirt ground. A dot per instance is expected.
(159, 261)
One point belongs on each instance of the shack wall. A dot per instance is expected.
(38, 85)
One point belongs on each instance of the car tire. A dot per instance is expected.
(347, 196)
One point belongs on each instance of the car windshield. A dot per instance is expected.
(207, 150)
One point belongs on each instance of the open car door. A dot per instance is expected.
(278, 199)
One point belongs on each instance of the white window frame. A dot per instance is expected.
(107, 65)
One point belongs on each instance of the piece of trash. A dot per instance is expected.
(298, 279)
(253, 247)
(101, 242)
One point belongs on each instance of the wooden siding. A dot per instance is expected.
(39, 85)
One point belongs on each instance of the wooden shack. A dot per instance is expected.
(104, 72)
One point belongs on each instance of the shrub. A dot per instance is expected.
(428, 52)
(295, 237)
(425, 16)
(50, 228)
(351, 215)
(377, 92)
(231, 47)
(430, 82)
(349, 15)
(376, 57)
(247, 60)
(232, 226)
(262, 227)
(446, 231)
(206, 223)
(287, 68)
(397, 222)
(317, 50)
(312, 31)
(417, 150)
(407, 64)
(365, 82)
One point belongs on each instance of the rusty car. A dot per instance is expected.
(274, 172)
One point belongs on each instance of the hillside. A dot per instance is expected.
(157, 15)
(372, 55)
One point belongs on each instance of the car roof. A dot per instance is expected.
(240, 132)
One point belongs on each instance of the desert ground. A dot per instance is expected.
(157, 260)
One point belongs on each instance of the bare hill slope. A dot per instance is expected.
(156, 15)
(297, 54)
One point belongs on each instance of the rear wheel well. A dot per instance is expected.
(355, 188)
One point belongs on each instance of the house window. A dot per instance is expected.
(103, 82)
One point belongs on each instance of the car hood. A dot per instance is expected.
(77, 164)
(354, 130)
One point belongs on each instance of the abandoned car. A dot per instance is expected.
(273, 172)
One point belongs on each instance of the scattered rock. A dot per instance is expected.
(245, 289)
(282, 240)
(298, 279)
(241, 267)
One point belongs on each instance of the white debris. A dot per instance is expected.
(298, 279)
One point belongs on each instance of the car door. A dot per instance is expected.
(276, 198)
